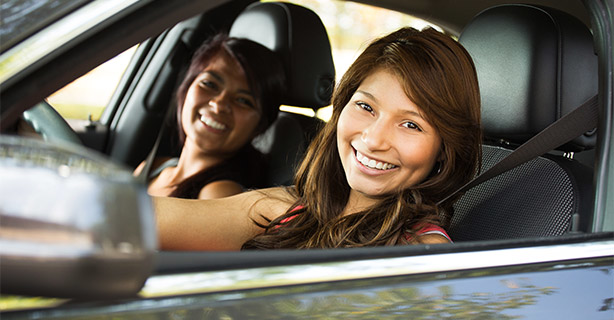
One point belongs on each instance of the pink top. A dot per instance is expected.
(427, 229)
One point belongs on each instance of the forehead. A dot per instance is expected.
(387, 88)
(223, 62)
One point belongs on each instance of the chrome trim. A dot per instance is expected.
(218, 281)
(58, 34)
(73, 223)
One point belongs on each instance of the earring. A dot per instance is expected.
(438, 167)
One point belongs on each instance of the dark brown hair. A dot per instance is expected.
(438, 75)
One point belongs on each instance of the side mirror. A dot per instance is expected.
(72, 223)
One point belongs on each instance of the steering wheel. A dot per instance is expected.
(46, 121)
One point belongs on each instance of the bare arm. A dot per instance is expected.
(432, 239)
(216, 224)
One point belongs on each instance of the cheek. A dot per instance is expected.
(421, 154)
(189, 102)
(185, 116)
(342, 134)
(192, 94)
(347, 125)
(247, 122)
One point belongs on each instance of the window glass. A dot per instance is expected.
(351, 26)
(86, 97)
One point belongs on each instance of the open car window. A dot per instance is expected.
(506, 275)
(87, 97)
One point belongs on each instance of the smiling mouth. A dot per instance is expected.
(373, 164)
(212, 123)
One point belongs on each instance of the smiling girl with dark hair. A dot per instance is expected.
(231, 93)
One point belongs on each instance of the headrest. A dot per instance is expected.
(299, 37)
(534, 65)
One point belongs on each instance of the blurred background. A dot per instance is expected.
(350, 26)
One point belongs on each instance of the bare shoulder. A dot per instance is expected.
(156, 163)
(432, 239)
(220, 189)
(271, 202)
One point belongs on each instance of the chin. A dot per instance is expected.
(372, 192)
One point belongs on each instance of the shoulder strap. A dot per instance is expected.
(154, 172)
(568, 127)
(144, 174)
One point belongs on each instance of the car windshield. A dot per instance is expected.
(21, 18)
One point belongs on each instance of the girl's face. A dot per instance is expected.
(220, 113)
(385, 143)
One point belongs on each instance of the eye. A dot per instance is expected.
(411, 125)
(207, 84)
(246, 102)
(364, 106)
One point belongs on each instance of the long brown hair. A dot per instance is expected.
(439, 76)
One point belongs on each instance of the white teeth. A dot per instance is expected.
(372, 163)
(212, 123)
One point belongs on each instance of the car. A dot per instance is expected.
(77, 231)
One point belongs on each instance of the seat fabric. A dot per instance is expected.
(534, 65)
(539, 198)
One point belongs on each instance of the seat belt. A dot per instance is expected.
(144, 174)
(565, 129)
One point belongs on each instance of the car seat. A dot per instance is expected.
(298, 36)
(534, 64)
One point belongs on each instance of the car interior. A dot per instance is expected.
(547, 196)
(553, 67)
(551, 70)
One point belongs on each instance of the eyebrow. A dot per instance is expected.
(368, 95)
(403, 111)
(220, 79)
(414, 113)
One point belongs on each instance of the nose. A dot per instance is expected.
(220, 103)
(376, 135)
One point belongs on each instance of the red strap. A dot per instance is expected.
(429, 229)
